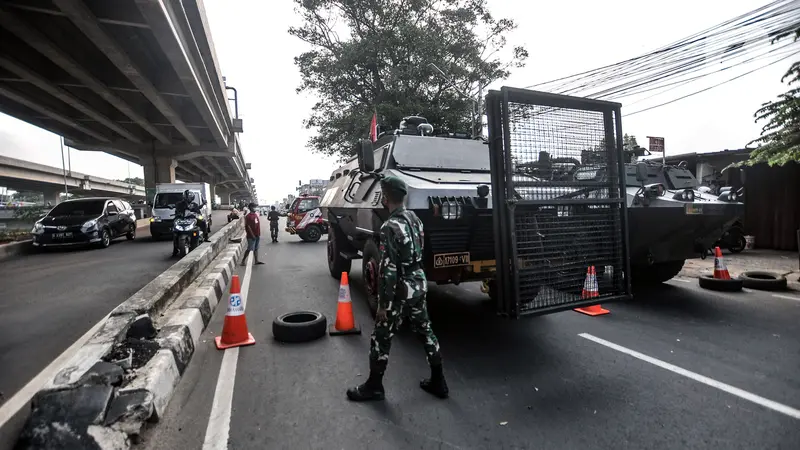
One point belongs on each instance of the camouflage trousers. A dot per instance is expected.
(416, 312)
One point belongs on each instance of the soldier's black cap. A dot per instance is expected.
(394, 184)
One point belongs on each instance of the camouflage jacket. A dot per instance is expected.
(402, 240)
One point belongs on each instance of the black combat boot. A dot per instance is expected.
(435, 385)
(371, 390)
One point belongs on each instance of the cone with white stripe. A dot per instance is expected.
(234, 330)
(590, 290)
(345, 322)
(720, 269)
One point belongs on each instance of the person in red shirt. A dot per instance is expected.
(252, 227)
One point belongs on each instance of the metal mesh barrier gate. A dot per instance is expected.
(558, 200)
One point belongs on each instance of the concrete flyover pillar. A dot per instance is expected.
(52, 195)
(157, 170)
(224, 195)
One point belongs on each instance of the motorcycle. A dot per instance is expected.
(187, 234)
(733, 238)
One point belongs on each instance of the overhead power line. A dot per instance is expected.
(712, 87)
(741, 40)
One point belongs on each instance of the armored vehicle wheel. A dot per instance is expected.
(312, 234)
(370, 267)
(657, 273)
(336, 263)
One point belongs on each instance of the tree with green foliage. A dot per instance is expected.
(371, 56)
(780, 136)
(629, 142)
(135, 180)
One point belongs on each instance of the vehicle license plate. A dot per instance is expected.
(62, 235)
(694, 209)
(450, 260)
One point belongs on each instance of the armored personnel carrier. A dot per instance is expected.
(574, 218)
(672, 218)
(441, 171)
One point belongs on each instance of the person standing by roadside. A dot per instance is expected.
(401, 294)
(252, 226)
(273, 218)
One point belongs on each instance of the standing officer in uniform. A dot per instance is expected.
(401, 294)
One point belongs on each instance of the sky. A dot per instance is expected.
(256, 55)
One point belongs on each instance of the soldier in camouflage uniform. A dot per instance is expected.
(401, 294)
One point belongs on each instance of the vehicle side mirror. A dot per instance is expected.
(641, 172)
(366, 157)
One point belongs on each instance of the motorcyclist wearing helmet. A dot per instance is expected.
(188, 206)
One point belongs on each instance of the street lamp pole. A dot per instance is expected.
(64, 169)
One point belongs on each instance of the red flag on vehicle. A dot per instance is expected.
(373, 127)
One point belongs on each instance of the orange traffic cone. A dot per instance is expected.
(720, 269)
(234, 330)
(590, 290)
(345, 322)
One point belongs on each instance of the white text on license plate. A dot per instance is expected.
(450, 259)
(62, 235)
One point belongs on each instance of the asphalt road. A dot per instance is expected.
(534, 383)
(49, 299)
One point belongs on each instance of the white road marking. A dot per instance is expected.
(787, 297)
(219, 421)
(682, 280)
(23, 397)
(749, 291)
(775, 406)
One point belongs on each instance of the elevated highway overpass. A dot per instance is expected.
(21, 175)
(138, 79)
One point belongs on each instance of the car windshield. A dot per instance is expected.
(79, 208)
(168, 199)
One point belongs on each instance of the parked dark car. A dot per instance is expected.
(95, 221)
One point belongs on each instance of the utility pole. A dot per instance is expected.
(64, 170)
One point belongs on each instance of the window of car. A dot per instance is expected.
(91, 207)
(111, 208)
(120, 205)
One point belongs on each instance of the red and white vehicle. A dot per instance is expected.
(304, 219)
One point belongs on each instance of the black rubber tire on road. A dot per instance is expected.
(764, 281)
(370, 253)
(336, 263)
(709, 282)
(131, 234)
(312, 234)
(105, 238)
(299, 326)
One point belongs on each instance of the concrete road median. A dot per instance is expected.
(179, 301)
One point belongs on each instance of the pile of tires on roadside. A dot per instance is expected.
(753, 279)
